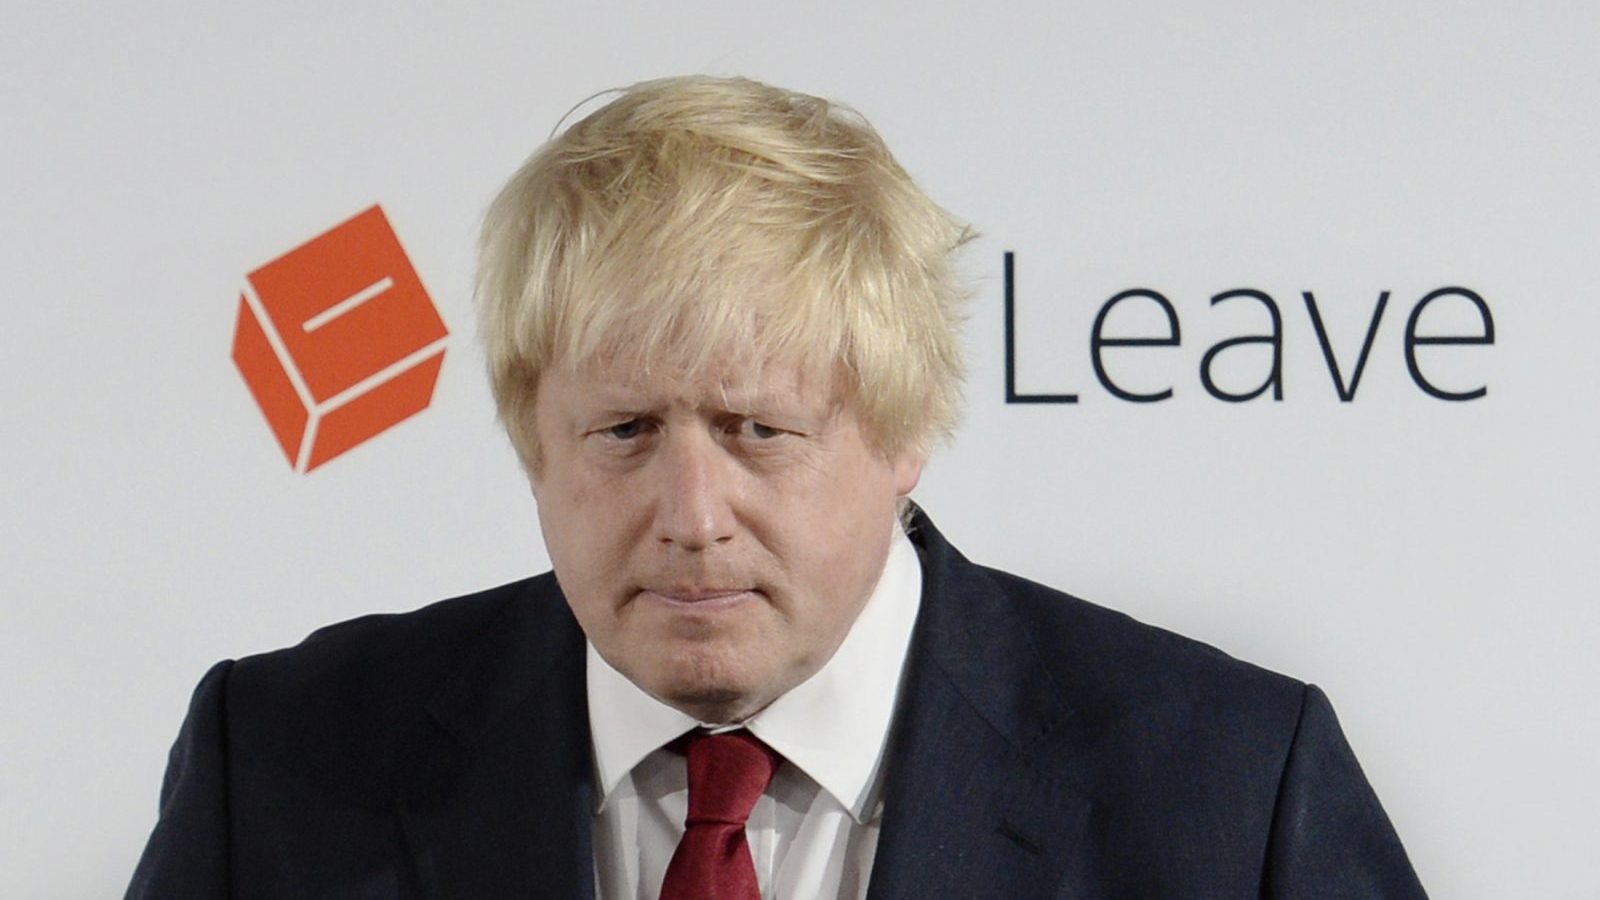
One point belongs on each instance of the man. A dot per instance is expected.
(722, 332)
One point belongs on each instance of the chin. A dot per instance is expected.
(714, 692)
(715, 708)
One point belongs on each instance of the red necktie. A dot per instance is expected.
(727, 774)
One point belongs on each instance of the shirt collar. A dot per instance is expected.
(833, 726)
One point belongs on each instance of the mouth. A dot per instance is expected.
(698, 599)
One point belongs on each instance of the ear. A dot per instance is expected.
(907, 472)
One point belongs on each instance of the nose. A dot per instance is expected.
(697, 483)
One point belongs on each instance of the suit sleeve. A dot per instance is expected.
(1330, 837)
(187, 856)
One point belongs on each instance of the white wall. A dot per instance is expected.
(1429, 563)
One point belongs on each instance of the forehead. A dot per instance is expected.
(627, 379)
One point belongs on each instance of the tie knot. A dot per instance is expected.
(727, 774)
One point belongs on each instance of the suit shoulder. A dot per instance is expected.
(1139, 665)
(419, 640)
(371, 675)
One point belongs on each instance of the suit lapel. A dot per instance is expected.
(974, 804)
(498, 799)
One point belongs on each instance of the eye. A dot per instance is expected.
(626, 431)
(750, 428)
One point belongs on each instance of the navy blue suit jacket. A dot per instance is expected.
(1044, 747)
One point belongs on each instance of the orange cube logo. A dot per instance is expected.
(338, 341)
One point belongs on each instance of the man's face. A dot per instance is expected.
(717, 539)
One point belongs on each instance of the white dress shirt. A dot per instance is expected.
(814, 833)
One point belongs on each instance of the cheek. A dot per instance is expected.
(569, 534)
(590, 528)
(856, 512)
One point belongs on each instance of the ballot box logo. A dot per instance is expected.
(338, 340)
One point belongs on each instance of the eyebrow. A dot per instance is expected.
(618, 401)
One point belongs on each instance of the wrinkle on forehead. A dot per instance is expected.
(737, 376)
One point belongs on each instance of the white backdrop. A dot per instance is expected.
(1429, 563)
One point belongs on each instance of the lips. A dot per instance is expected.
(695, 596)
(699, 598)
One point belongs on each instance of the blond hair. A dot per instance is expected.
(696, 222)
